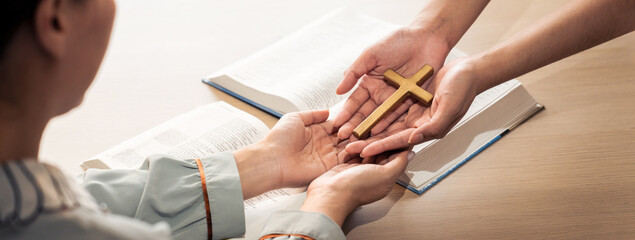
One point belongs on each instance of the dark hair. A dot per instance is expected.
(12, 14)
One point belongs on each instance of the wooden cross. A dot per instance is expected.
(406, 87)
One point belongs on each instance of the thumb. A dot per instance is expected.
(397, 164)
(313, 117)
(437, 127)
(362, 65)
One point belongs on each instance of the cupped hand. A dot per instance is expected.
(404, 51)
(455, 86)
(347, 186)
(303, 146)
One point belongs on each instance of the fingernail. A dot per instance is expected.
(411, 154)
(416, 139)
(362, 155)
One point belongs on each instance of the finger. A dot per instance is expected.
(393, 141)
(313, 117)
(330, 130)
(362, 65)
(347, 129)
(356, 147)
(397, 164)
(352, 138)
(398, 125)
(368, 160)
(344, 156)
(436, 127)
(415, 137)
(417, 114)
(350, 107)
(384, 158)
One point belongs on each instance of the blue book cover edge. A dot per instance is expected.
(244, 99)
(451, 170)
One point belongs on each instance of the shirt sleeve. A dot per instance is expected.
(182, 193)
(300, 225)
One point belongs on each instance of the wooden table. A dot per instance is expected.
(569, 173)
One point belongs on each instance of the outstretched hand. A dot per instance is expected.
(454, 88)
(304, 145)
(404, 51)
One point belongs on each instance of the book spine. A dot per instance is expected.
(538, 108)
(244, 99)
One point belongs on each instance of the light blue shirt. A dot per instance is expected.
(161, 200)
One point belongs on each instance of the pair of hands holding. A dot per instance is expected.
(304, 148)
(405, 51)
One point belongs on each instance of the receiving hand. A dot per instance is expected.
(347, 186)
(454, 88)
(405, 51)
(304, 146)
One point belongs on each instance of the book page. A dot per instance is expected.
(307, 66)
(213, 128)
(491, 113)
(480, 102)
(208, 129)
(302, 71)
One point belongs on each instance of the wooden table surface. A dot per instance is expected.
(568, 173)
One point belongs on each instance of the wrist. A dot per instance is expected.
(439, 38)
(335, 205)
(259, 172)
(443, 18)
(481, 65)
(430, 28)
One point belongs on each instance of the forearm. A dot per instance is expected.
(578, 26)
(258, 173)
(449, 19)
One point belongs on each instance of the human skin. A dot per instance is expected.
(426, 40)
(575, 27)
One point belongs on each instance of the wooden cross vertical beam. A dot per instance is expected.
(405, 87)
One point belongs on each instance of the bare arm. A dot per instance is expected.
(450, 19)
(576, 27)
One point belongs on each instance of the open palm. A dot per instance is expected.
(404, 51)
(454, 89)
(304, 146)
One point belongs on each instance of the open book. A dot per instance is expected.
(302, 71)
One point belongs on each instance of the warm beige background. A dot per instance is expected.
(569, 173)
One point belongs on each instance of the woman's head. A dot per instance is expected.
(50, 50)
